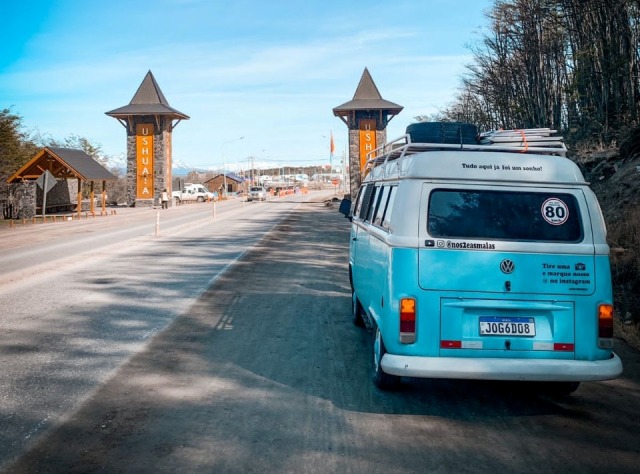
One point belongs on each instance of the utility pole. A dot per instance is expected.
(224, 163)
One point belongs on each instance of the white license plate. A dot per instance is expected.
(507, 326)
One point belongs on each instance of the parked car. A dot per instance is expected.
(194, 192)
(257, 193)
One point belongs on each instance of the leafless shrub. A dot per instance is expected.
(624, 239)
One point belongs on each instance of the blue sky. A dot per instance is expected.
(270, 70)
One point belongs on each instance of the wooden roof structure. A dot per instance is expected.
(148, 100)
(62, 163)
(366, 97)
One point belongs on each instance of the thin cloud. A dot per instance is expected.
(275, 81)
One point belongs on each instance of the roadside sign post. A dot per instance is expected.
(46, 181)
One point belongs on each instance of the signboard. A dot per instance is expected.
(367, 139)
(46, 181)
(144, 161)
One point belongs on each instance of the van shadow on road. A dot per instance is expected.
(266, 373)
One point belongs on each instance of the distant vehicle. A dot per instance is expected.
(193, 192)
(257, 193)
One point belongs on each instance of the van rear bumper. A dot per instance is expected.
(543, 370)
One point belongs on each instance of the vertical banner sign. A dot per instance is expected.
(144, 160)
(367, 139)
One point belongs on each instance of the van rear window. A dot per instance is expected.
(504, 215)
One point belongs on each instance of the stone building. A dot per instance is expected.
(366, 116)
(234, 184)
(149, 121)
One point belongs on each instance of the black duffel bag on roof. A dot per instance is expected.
(453, 133)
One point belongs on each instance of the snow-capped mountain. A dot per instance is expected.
(178, 168)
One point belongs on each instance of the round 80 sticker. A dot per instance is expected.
(555, 211)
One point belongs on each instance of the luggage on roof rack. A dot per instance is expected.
(453, 133)
(433, 136)
(529, 137)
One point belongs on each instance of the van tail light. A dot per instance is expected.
(407, 320)
(605, 326)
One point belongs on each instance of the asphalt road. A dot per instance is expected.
(264, 372)
(79, 298)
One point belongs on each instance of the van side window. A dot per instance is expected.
(504, 215)
(382, 205)
(372, 203)
(356, 210)
(386, 218)
(366, 199)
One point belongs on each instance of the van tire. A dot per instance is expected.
(200, 199)
(357, 312)
(381, 379)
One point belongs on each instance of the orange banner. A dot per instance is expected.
(144, 160)
(367, 139)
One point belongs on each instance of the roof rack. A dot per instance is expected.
(531, 140)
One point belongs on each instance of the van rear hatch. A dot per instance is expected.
(507, 327)
(507, 303)
(512, 242)
(507, 265)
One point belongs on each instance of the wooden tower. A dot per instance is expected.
(366, 117)
(149, 121)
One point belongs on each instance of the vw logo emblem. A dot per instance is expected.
(507, 266)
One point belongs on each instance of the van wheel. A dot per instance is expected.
(200, 199)
(382, 380)
(357, 313)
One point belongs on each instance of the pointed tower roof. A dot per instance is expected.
(367, 97)
(148, 100)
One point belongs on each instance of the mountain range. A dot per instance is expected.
(178, 168)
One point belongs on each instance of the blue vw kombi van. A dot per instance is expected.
(482, 261)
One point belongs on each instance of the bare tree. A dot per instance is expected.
(565, 64)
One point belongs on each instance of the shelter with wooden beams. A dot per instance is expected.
(149, 121)
(64, 166)
(366, 116)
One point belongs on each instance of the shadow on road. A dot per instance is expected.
(266, 373)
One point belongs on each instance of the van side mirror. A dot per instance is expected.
(345, 207)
